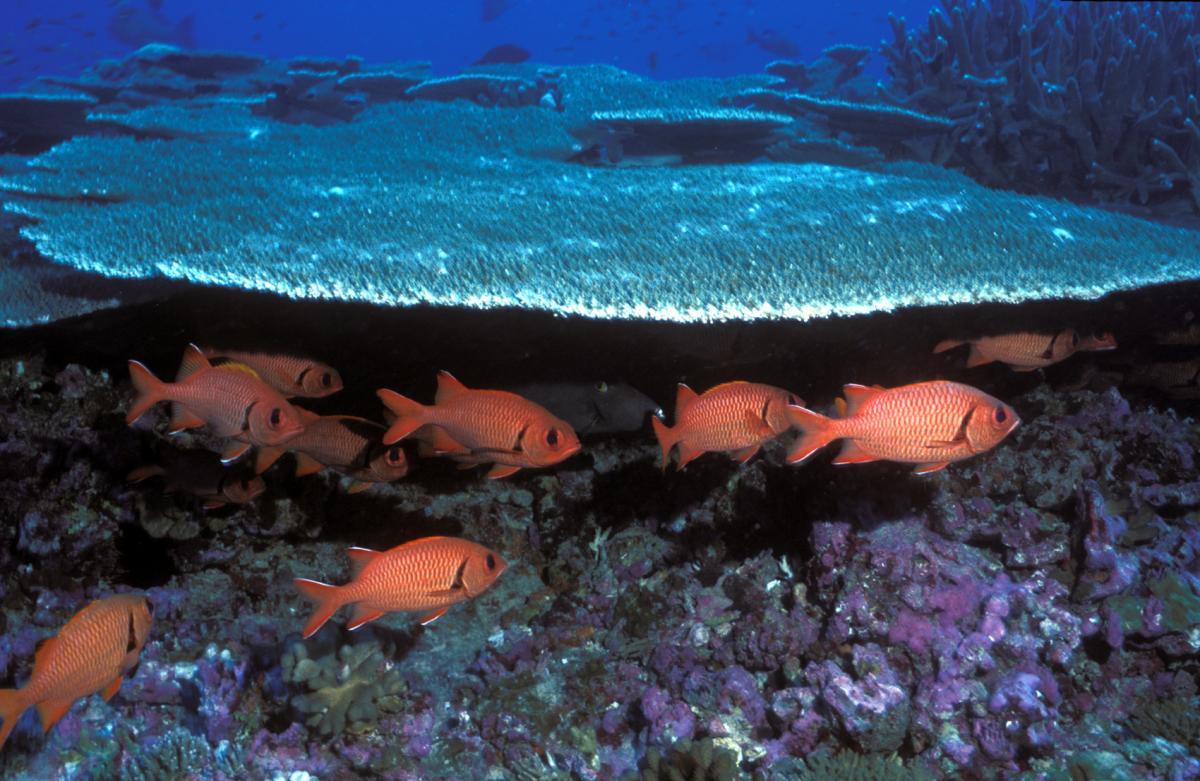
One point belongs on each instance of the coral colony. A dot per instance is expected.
(923, 503)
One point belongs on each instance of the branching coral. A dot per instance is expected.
(1084, 100)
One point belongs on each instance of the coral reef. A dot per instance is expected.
(397, 241)
(1086, 101)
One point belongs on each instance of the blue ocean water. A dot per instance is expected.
(663, 38)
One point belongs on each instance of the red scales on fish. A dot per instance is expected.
(735, 417)
(482, 427)
(230, 399)
(929, 424)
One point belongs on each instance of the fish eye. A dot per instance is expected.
(326, 380)
(490, 562)
(552, 437)
(602, 386)
(791, 400)
(1001, 415)
(276, 416)
(1074, 339)
(394, 454)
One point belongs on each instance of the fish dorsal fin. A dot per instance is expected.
(235, 366)
(359, 559)
(193, 361)
(856, 396)
(684, 396)
(448, 387)
(839, 406)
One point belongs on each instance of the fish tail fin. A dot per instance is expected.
(816, 431)
(948, 344)
(150, 390)
(410, 415)
(326, 598)
(12, 705)
(666, 438)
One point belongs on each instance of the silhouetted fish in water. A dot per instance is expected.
(594, 407)
(33, 23)
(508, 53)
(136, 25)
(772, 42)
(491, 10)
(652, 61)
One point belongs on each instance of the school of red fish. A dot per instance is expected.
(245, 398)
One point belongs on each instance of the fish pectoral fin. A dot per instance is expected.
(182, 419)
(745, 454)
(852, 453)
(362, 616)
(433, 616)
(108, 691)
(51, 711)
(233, 451)
(1024, 368)
(502, 470)
(307, 465)
(924, 469)
(358, 486)
(213, 504)
(758, 422)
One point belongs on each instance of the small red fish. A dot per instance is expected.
(291, 375)
(230, 399)
(349, 445)
(427, 575)
(93, 653)
(201, 474)
(482, 427)
(1023, 351)
(929, 424)
(736, 417)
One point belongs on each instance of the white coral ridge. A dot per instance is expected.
(420, 221)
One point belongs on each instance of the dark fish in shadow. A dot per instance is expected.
(491, 10)
(505, 53)
(772, 42)
(136, 25)
(594, 407)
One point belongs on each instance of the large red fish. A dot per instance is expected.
(93, 653)
(230, 399)
(291, 375)
(929, 424)
(348, 445)
(483, 427)
(427, 575)
(736, 417)
(201, 474)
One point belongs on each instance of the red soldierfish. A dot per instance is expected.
(201, 474)
(1026, 351)
(929, 424)
(736, 417)
(427, 575)
(352, 446)
(289, 374)
(230, 399)
(93, 653)
(482, 427)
